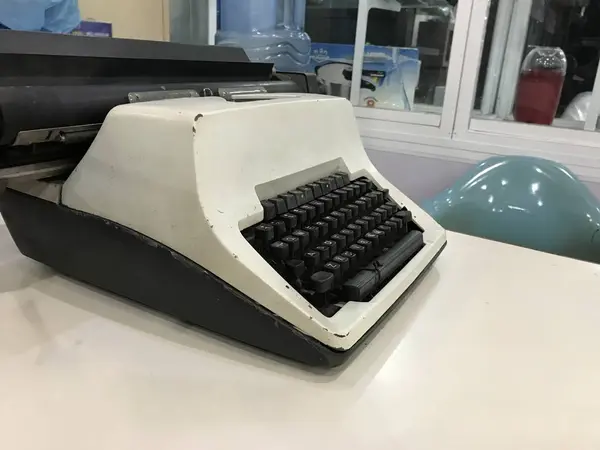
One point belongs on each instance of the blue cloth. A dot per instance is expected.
(57, 16)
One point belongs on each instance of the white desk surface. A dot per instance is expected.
(496, 348)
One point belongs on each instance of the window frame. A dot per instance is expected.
(568, 145)
(425, 118)
(457, 133)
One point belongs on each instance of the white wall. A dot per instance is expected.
(422, 177)
(416, 176)
(136, 19)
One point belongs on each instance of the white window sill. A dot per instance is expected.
(485, 140)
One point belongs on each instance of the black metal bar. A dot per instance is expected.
(36, 107)
(29, 43)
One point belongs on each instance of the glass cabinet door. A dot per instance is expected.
(404, 60)
(407, 53)
(525, 43)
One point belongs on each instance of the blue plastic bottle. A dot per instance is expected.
(268, 30)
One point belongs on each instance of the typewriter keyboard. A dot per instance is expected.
(336, 240)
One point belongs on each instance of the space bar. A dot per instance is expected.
(367, 280)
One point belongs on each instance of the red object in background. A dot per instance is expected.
(538, 93)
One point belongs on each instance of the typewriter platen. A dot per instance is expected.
(261, 219)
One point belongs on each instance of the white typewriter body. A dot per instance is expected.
(190, 174)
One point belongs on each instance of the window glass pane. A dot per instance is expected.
(189, 21)
(520, 75)
(407, 53)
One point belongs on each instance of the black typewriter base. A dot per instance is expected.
(117, 259)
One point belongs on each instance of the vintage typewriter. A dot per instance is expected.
(239, 201)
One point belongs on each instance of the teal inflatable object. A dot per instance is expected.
(530, 202)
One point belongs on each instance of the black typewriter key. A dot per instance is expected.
(339, 180)
(323, 228)
(393, 206)
(291, 220)
(316, 188)
(368, 182)
(390, 211)
(383, 212)
(360, 251)
(363, 224)
(311, 212)
(339, 239)
(388, 233)
(264, 233)
(404, 215)
(290, 200)
(363, 187)
(378, 196)
(332, 246)
(303, 237)
(280, 206)
(343, 262)
(368, 201)
(393, 226)
(294, 244)
(349, 193)
(279, 227)
(351, 257)
(342, 194)
(335, 198)
(322, 282)
(377, 217)
(363, 284)
(307, 192)
(319, 207)
(280, 250)
(299, 195)
(346, 212)
(401, 225)
(333, 223)
(301, 214)
(269, 209)
(312, 260)
(382, 237)
(335, 269)
(295, 267)
(373, 196)
(341, 218)
(328, 202)
(345, 177)
(356, 188)
(368, 245)
(324, 251)
(362, 206)
(333, 181)
(348, 234)
(326, 186)
(373, 238)
(354, 210)
(313, 232)
(370, 220)
(356, 229)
